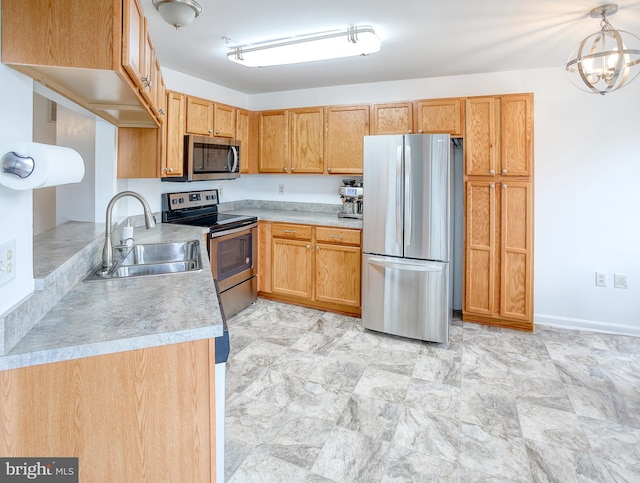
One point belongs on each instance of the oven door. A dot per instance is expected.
(233, 256)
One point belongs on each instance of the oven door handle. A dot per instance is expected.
(222, 233)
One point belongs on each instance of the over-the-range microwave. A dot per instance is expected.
(208, 158)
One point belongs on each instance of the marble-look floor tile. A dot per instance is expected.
(298, 440)
(543, 392)
(374, 418)
(493, 453)
(439, 370)
(434, 397)
(382, 384)
(428, 433)
(349, 456)
(263, 468)
(549, 463)
(251, 422)
(336, 373)
(614, 442)
(552, 427)
(405, 465)
(314, 397)
(489, 407)
(606, 406)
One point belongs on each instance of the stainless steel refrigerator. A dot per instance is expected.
(407, 236)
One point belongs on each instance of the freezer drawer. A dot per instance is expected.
(409, 298)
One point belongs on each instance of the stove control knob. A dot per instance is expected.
(181, 200)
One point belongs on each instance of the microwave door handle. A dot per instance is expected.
(235, 160)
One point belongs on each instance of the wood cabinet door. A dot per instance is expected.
(133, 41)
(516, 251)
(440, 116)
(138, 415)
(516, 141)
(337, 271)
(291, 267)
(345, 128)
(273, 142)
(396, 118)
(242, 135)
(161, 93)
(199, 116)
(480, 136)
(480, 248)
(307, 140)
(174, 146)
(224, 121)
(147, 88)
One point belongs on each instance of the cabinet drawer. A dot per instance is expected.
(344, 236)
(291, 230)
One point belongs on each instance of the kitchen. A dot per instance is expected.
(586, 216)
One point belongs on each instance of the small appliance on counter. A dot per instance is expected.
(351, 193)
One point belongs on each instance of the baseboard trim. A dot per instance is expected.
(588, 325)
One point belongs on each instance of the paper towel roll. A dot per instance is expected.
(53, 165)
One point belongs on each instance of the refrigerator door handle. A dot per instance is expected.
(408, 195)
(404, 266)
(398, 177)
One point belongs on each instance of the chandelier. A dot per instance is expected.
(606, 60)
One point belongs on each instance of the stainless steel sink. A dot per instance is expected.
(152, 259)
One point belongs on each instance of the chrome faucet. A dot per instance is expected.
(149, 221)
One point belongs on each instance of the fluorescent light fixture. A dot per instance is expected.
(334, 44)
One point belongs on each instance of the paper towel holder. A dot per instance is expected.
(21, 166)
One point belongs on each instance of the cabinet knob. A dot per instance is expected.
(145, 80)
(328, 170)
(293, 169)
(170, 170)
(217, 131)
(284, 169)
(492, 185)
(419, 131)
(210, 131)
(504, 186)
(504, 171)
(409, 131)
(164, 170)
(308, 246)
(491, 171)
(317, 247)
(161, 111)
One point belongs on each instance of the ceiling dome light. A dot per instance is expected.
(178, 12)
(606, 60)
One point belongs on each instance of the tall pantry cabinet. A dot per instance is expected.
(498, 274)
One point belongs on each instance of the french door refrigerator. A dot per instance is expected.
(406, 236)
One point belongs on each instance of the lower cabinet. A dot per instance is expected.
(315, 266)
(140, 415)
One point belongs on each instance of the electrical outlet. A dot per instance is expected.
(280, 189)
(601, 279)
(7, 261)
(620, 280)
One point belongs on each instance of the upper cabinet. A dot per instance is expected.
(247, 134)
(396, 118)
(345, 127)
(208, 118)
(440, 116)
(273, 135)
(81, 54)
(173, 160)
(499, 135)
(307, 140)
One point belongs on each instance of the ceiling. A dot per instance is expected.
(420, 38)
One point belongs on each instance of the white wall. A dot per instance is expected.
(16, 99)
(587, 205)
(586, 165)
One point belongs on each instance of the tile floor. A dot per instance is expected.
(313, 397)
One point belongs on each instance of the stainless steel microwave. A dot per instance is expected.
(208, 158)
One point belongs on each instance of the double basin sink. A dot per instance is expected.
(152, 259)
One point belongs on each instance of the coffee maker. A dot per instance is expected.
(351, 193)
